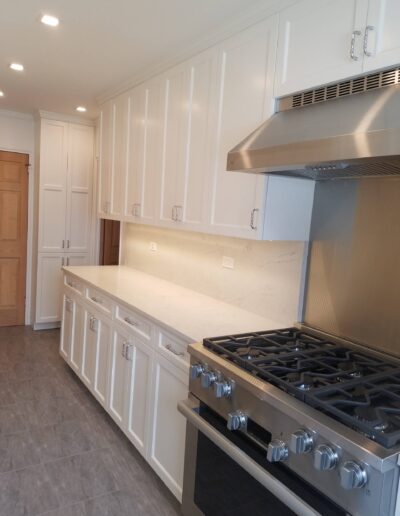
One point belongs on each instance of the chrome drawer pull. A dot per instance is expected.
(353, 44)
(97, 300)
(368, 29)
(172, 350)
(130, 321)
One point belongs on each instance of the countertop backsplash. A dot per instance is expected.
(267, 278)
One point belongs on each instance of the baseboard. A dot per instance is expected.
(46, 326)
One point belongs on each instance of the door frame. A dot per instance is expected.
(29, 243)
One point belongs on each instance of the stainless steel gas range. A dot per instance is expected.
(291, 421)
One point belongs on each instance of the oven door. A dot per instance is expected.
(226, 473)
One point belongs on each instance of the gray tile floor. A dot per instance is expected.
(60, 453)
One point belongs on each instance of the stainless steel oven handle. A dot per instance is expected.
(273, 485)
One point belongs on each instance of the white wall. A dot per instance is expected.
(267, 278)
(17, 134)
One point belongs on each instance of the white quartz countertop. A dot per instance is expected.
(193, 315)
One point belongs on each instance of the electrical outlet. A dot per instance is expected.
(153, 247)
(228, 262)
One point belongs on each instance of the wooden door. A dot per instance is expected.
(109, 242)
(13, 236)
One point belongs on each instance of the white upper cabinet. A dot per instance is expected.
(382, 40)
(145, 151)
(245, 79)
(106, 157)
(320, 41)
(79, 189)
(120, 154)
(53, 185)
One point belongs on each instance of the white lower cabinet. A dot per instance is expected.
(137, 371)
(168, 427)
(95, 354)
(130, 377)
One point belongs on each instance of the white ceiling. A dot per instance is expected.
(99, 44)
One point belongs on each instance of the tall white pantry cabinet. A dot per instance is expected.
(66, 152)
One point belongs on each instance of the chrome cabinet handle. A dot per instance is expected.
(368, 29)
(136, 210)
(67, 244)
(93, 323)
(128, 352)
(68, 303)
(252, 218)
(63, 244)
(173, 213)
(178, 211)
(130, 321)
(97, 300)
(67, 260)
(354, 34)
(123, 348)
(172, 350)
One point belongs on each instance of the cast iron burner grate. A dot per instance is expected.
(355, 387)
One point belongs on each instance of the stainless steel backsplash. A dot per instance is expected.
(353, 278)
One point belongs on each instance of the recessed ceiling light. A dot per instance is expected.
(82, 109)
(16, 66)
(47, 19)
(1, 93)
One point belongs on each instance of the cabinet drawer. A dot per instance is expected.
(75, 285)
(134, 322)
(99, 300)
(173, 348)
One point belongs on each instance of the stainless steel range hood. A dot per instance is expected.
(344, 130)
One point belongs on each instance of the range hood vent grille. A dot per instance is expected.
(341, 89)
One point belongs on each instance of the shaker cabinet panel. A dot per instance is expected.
(78, 338)
(176, 130)
(79, 187)
(106, 158)
(117, 378)
(49, 284)
(120, 154)
(167, 447)
(315, 43)
(67, 328)
(246, 69)
(383, 36)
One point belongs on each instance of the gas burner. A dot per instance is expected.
(249, 353)
(371, 416)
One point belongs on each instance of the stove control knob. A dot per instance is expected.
(301, 441)
(208, 378)
(237, 420)
(277, 451)
(196, 370)
(352, 475)
(223, 389)
(325, 457)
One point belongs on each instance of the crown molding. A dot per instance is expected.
(16, 114)
(236, 24)
(49, 115)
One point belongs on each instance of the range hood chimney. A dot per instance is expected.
(344, 130)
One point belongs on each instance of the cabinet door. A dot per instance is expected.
(49, 285)
(246, 69)
(90, 349)
(102, 354)
(67, 328)
(192, 185)
(79, 188)
(167, 447)
(106, 158)
(118, 368)
(139, 365)
(176, 130)
(315, 43)
(53, 184)
(120, 157)
(383, 35)
(145, 151)
(78, 338)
